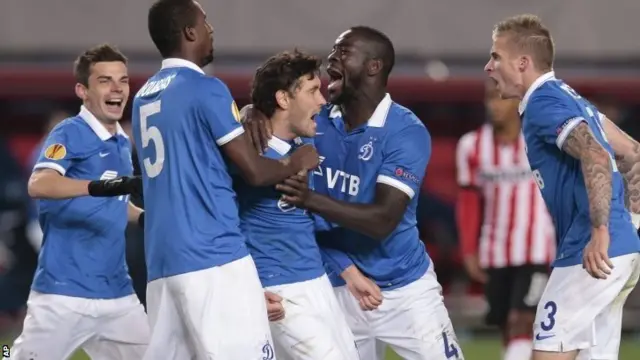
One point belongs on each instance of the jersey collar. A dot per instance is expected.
(536, 84)
(379, 116)
(280, 146)
(97, 126)
(176, 62)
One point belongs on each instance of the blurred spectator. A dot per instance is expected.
(34, 233)
(17, 258)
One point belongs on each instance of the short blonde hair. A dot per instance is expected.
(529, 35)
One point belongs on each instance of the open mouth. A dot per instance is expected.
(114, 105)
(335, 79)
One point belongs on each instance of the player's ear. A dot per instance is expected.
(282, 99)
(81, 91)
(190, 33)
(374, 67)
(524, 63)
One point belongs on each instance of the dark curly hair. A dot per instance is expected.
(281, 72)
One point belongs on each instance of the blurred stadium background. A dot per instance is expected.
(441, 50)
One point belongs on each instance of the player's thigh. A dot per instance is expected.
(415, 323)
(224, 311)
(566, 313)
(122, 334)
(313, 327)
(608, 324)
(54, 327)
(168, 338)
(497, 291)
(358, 322)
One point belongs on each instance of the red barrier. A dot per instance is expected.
(59, 85)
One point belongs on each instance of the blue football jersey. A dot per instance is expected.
(181, 118)
(83, 249)
(281, 238)
(393, 148)
(550, 110)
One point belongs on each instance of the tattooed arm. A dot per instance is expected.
(596, 170)
(627, 153)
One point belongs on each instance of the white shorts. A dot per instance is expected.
(56, 326)
(217, 313)
(314, 327)
(412, 320)
(578, 312)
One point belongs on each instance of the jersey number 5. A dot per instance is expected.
(151, 134)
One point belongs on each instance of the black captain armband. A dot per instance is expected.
(124, 185)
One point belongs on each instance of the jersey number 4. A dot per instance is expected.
(151, 134)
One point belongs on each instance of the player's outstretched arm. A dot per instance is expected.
(400, 175)
(47, 183)
(50, 184)
(260, 171)
(376, 220)
(627, 154)
(597, 171)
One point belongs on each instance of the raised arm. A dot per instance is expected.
(221, 113)
(627, 155)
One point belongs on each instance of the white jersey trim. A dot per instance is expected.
(387, 180)
(50, 165)
(571, 124)
(230, 136)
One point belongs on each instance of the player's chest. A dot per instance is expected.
(107, 160)
(536, 149)
(349, 163)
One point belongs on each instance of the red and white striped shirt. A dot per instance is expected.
(516, 227)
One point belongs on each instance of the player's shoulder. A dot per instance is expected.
(74, 127)
(213, 86)
(402, 117)
(545, 96)
(402, 122)
(468, 140)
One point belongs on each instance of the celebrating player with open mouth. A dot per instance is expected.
(82, 296)
(581, 162)
(375, 153)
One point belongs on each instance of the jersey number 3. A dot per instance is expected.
(151, 134)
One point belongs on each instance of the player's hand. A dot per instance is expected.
(124, 185)
(275, 310)
(305, 158)
(362, 288)
(475, 272)
(295, 189)
(258, 126)
(595, 258)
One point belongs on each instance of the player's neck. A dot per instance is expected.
(111, 126)
(508, 132)
(188, 57)
(359, 110)
(528, 80)
(281, 127)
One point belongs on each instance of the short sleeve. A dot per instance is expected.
(465, 167)
(220, 112)
(58, 151)
(552, 118)
(405, 157)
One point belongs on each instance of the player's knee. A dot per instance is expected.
(520, 324)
